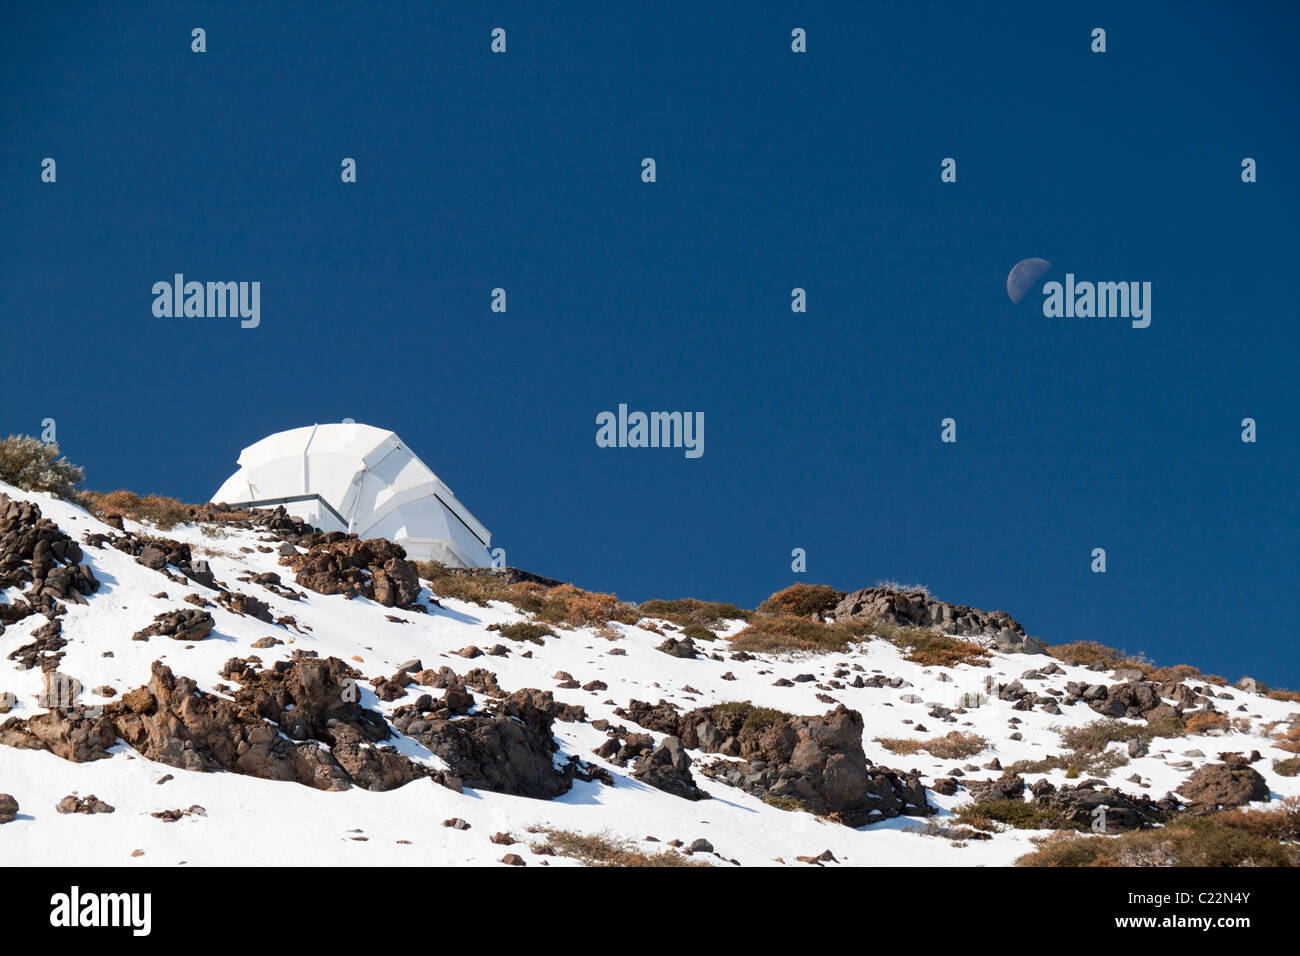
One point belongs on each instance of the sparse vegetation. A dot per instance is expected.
(1075, 764)
(33, 465)
(162, 512)
(789, 804)
(904, 588)
(933, 649)
(777, 633)
(1088, 747)
(1289, 739)
(804, 600)
(953, 746)
(1096, 736)
(698, 632)
(562, 604)
(756, 718)
(1204, 722)
(525, 631)
(1227, 838)
(566, 604)
(1084, 653)
(994, 815)
(602, 849)
(1287, 768)
(474, 587)
(687, 611)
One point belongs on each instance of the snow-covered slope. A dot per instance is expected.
(254, 821)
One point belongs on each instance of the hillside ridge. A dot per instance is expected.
(325, 700)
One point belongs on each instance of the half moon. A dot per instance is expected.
(1023, 275)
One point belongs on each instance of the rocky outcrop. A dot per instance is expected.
(1137, 698)
(8, 808)
(341, 564)
(76, 733)
(1090, 805)
(186, 624)
(507, 748)
(668, 768)
(816, 763)
(917, 609)
(36, 554)
(45, 564)
(276, 521)
(1093, 806)
(292, 722)
(1231, 784)
(158, 554)
(44, 650)
(241, 604)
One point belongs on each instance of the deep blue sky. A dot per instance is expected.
(775, 170)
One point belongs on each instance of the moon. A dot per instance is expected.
(1023, 275)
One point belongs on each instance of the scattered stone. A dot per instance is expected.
(187, 624)
(90, 804)
(685, 648)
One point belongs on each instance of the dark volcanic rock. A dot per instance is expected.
(293, 722)
(508, 748)
(185, 624)
(36, 555)
(1104, 809)
(684, 648)
(914, 609)
(1230, 784)
(158, 554)
(813, 762)
(375, 569)
(668, 768)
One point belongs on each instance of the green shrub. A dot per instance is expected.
(33, 465)
(525, 631)
(755, 718)
(1018, 814)
(698, 632)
